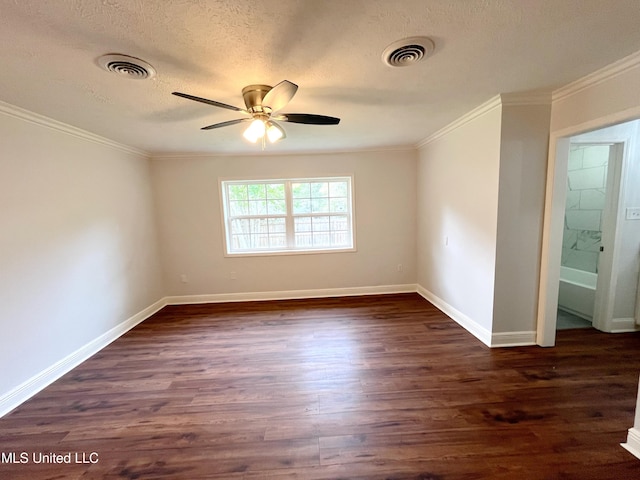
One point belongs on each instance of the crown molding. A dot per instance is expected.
(480, 110)
(179, 155)
(503, 99)
(28, 116)
(602, 75)
(526, 98)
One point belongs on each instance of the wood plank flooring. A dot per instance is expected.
(380, 387)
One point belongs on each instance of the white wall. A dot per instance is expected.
(191, 235)
(523, 165)
(78, 244)
(458, 214)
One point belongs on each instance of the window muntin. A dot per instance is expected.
(291, 215)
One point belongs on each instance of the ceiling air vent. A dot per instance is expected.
(408, 51)
(126, 66)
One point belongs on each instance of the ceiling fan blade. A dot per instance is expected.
(280, 95)
(226, 124)
(209, 102)
(307, 118)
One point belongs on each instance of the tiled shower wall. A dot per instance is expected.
(585, 202)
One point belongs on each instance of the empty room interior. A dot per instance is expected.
(320, 239)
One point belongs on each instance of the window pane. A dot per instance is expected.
(257, 191)
(258, 207)
(320, 205)
(300, 190)
(304, 240)
(277, 241)
(241, 242)
(319, 189)
(238, 208)
(276, 207)
(321, 240)
(320, 224)
(277, 225)
(339, 223)
(340, 239)
(259, 225)
(237, 192)
(301, 205)
(338, 204)
(240, 226)
(275, 190)
(302, 224)
(338, 189)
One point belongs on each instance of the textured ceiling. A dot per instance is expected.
(330, 48)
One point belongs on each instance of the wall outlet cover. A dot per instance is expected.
(633, 213)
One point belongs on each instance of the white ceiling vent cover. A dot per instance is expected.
(126, 66)
(408, 51)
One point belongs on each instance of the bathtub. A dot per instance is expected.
(577, 293)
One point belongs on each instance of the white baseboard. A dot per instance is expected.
(513, 339)
(633, 442)
(623, 325)
(38, 382)
(289, 294)
(464, 321)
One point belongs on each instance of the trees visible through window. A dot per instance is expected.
(292, 215)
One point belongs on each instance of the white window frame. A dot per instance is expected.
(290, 249)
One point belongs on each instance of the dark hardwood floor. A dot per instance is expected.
(382, 387)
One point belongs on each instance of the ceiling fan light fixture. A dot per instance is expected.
(274, 132)
(255, 131)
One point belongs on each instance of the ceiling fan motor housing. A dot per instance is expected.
(253, 95)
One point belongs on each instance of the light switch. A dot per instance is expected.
(633, 213)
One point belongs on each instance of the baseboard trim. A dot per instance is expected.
(633, 442)
(513, 339)
(464, 321)
(29, 388)
(623, 325)
(289, 294)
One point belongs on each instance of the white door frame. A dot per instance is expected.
(553, 220)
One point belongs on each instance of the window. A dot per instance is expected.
(287, 216)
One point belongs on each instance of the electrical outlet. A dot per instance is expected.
(233, 275)
(184, 278)
(399, 267)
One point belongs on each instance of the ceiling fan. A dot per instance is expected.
(263, 104)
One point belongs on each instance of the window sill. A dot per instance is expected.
(290, 252)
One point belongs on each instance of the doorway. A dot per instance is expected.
(592, 189)
(617, 266)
